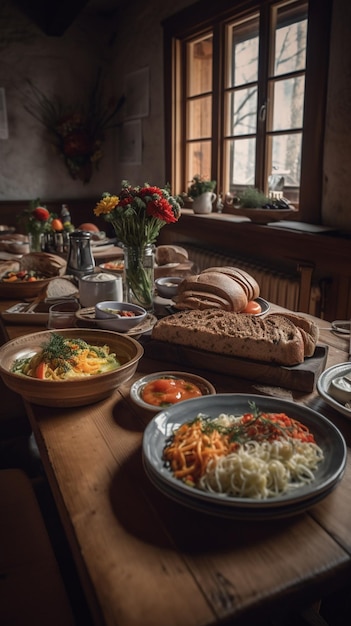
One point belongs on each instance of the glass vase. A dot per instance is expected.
(36, 242)
(139, 275)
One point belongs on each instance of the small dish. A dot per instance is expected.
(113, 266)
(136, 391)
(118, 316)
(324, 382)
(167, 287)
(86, 319)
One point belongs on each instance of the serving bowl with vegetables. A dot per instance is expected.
(68, 367)
(118, 316)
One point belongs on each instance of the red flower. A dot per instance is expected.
(41, 214)
(161, 209)
(77, 143)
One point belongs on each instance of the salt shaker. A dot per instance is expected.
(80, 258)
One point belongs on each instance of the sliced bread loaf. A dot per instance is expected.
(264, 339)
(308, 329)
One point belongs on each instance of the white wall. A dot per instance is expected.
(130, 41)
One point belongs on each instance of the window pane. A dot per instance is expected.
(199, 118)
(241, 159)
(290, 40)
(199, 66)
(243, 42)
(243, 112)
(288, 102)
(198, 159)
(286, 159)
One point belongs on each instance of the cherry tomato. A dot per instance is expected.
(57, 225)
(40, 371)
(252, 307)
(41, 214)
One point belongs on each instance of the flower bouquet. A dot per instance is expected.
(137, 215)
(41, 225)
(77, 132)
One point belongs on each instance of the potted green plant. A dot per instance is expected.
(201, 192)
(199, 186)
(252, 198)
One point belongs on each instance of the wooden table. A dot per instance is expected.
(144, 559)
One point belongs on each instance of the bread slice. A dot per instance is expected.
(202, 300)
(238, 334)
(61, 288)
(209, 283)
(247, 282)
(308, 328)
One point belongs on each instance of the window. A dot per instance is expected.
(248, 98)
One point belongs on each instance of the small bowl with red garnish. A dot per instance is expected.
(118, 316)
(157, 391)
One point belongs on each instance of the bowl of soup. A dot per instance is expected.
(156, 391)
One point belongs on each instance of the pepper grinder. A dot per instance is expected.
(80, 258)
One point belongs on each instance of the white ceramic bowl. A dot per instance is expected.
(137, 388)
(107, 320)
(76, 391)
(167, 287)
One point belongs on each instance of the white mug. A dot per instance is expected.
(100, 287)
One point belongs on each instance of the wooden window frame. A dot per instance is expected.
(201, 17)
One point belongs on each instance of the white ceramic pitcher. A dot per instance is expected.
(203, 203)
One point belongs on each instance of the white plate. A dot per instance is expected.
(324, 381)
(327, 436)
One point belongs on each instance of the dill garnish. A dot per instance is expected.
(255, 425)
(61, 352)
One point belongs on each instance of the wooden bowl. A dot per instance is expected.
(77, 391)
(48, 265)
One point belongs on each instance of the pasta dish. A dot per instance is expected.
(63, 358)
(257, 455)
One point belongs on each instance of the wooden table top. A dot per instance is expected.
(144, 559)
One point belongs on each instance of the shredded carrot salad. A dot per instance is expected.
(62, 358)
(196, 448)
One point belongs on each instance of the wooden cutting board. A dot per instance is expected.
(300, 377)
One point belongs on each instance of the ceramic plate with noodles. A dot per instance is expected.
(256, 465)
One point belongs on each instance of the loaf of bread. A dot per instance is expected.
(8, 266)
(273, 339)
(226, 288)
(44, 262)
(170, 254)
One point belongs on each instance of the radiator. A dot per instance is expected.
(290, 289)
